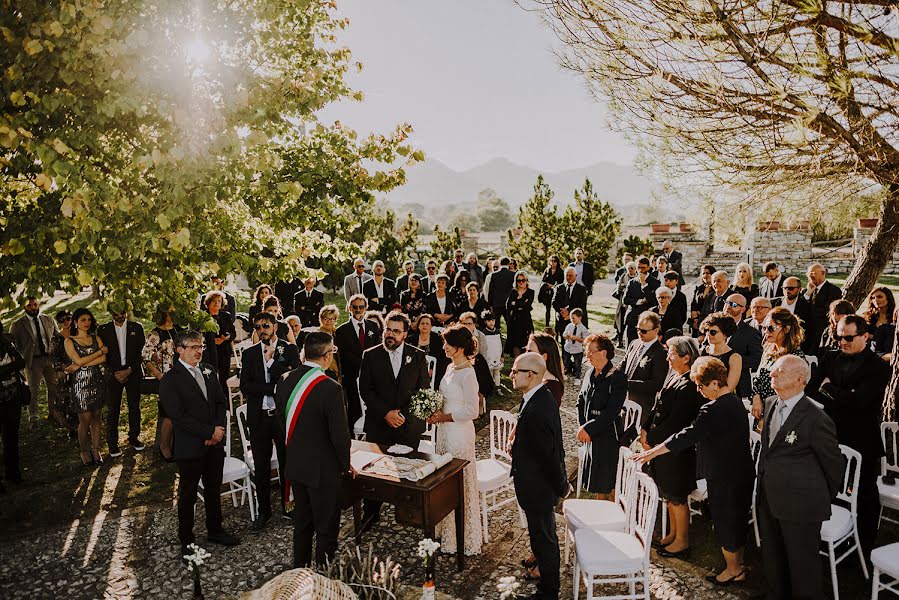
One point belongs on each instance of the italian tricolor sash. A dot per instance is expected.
(294, 405)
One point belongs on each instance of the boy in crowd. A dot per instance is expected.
(573, 348)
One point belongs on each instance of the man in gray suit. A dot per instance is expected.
(352, 283)
(32, 333)
(800, 470)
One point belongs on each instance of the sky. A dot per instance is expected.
(477, 80)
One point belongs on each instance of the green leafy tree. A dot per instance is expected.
(144, 146)
(635, 246)
(465, 220)
(444, 243)
(590, 224)
(538, 223)
(397, 244)
(493, 212)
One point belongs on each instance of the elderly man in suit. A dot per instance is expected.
(354, 282)
(391, 373)
(639, 296)
(745, 341)
(772, 284)
(261, 366)
(585, 273)
(567, 296)
(353, 338)
(318, 449)
(646, 364)
(820, 293)
(675, 259)
(194, 401)
(721, 289)
(800, 469)
(851, 383)
(538, 468)
(758, 310)
(32, 333)
(125, 340)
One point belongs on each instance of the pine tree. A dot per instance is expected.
(539, 225)
(590, 224)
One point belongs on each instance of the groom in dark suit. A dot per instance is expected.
(800, 470)
(194, 401)
(261, 367)
(390, 374)
(538, 468)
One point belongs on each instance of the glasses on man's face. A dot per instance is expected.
(513, 372)
(195, 346)
(432, 268)
(357, 307)
(645, 331)
(733, 304)
(791, 287)
(261, 326)
(846, 338)
(393, 331)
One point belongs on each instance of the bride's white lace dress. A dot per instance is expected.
(460, 388)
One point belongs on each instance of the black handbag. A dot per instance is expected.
(22, 389)
(545, 296)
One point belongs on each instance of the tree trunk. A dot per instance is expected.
(876, 252)
(889, 398)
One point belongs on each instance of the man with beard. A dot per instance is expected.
(32, 333)
(795, 302)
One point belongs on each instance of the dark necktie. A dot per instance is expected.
(362, 335)
(42, 350)
(569, 292)
(360, 283)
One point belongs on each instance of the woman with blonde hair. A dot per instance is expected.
(782, 334)
(743, 283)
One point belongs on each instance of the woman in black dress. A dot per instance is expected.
(721, 433)
(881, 321)
(718, 327)
(552, 276)
(459, 291)
(838, 309)
(88, 385)
(412, 300)
(599, 403)
(472, 303)
(743, 283)
(518, 315)
(430, 343)
(675, 408)
(215, 300)
(439, 303)
(700, 293)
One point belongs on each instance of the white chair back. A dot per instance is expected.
(889, 433)
(632, 412)
(755, 447)
(643, 516)
(243, 429)
(625, 478)
(238, 349)
(849, 490)
(502, 422)
(432, 369)
(228, 433)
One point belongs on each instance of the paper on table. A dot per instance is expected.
(360, 459)
(442, 459)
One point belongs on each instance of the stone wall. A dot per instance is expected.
(791, 249)
(861, 235)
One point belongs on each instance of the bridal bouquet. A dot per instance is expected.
(425, 403)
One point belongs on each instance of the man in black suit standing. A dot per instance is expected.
(851, 383)
(795, 302)
(194, 401)
(745, 341)
(501, 283)
(380, 290)
(820, 293)
(402, 282)
(307, 302)
(675, 259)
(125, 340)
(429, 281)
(646, 364)
(567, 296)
(538, 468)
(353, 338)
(772, 284)
(318, 449)
(390, 374)
(800, 469)
(585, 274)
(639, 296)
(261, 366)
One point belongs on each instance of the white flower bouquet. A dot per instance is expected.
(425, 403)
(507, 587)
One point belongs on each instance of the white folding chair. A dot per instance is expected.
(234, 393)
(700, 494)
(885, 560)
(359, 425)
(428, 442)
(495, 473)
(755, 448)
(843, 522)
(244, 430)
(606, 515)
(235, 474)
(631, 413)
(889, 465)
(613, 557)
(432, 369)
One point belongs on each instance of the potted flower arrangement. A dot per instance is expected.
(194, 562)
(426, 550)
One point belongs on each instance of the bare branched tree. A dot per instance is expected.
(774, 97)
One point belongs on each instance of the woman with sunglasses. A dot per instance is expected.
(717, 327)
(552, 276)
(782, 334)
(520, 325)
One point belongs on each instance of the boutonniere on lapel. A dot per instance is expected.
(643, 362)
(408, 359)
(280, 350)
(207, 371)
(130, 333)
(371, 334)
(790, 438)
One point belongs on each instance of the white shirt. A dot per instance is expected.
(441, 303)
(309, 363)
(579, 269)
(357, 325)
(268, 402)
(120, 333)
(396, 358)
(790, 405)
(527, 396)
(790, 307)
(379, 288)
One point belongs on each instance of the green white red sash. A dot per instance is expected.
(295, 403)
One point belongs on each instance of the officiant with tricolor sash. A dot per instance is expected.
(318, 449)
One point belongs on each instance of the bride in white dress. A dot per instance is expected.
(455, 434)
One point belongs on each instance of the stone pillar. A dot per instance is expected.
(789, 248)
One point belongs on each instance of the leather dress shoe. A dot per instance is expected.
(223, 538)
(260, 523)
(665, 553)
(368, 522)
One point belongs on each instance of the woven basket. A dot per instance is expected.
(301, 584)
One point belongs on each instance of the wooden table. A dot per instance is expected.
(423, 503)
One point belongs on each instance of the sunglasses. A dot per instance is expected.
(712, 331)
(846, 338)
(262, 326)
(357, 306)
(734, 304)
(521, 280)
(514, 371)
(772, 328)
(645, 331)
(791, 287)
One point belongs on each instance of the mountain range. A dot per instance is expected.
(434, 185)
